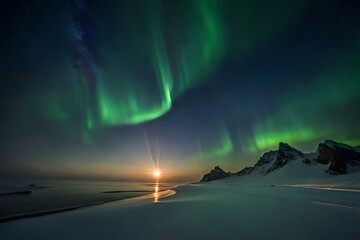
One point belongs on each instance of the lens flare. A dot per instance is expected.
(156, 173)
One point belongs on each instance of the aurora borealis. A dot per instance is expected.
(208, 82)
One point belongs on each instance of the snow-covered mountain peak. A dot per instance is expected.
(217, 168)
(285, 147)
(330, 158)
(286, 151)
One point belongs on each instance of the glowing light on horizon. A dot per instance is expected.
(157, 173)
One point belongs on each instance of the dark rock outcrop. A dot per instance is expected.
(340, 156)
(357, 149)
(215, 174)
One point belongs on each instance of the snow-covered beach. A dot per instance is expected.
(219, 210)
(286, 195)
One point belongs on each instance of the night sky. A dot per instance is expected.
(90, 88)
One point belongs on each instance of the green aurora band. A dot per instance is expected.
(132, 105)
(178, 62)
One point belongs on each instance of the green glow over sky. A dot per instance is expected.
(225, 80)
(298, 119)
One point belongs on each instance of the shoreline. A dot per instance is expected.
(82, 206)
(46, 212)
(16, 193)
(322, 187)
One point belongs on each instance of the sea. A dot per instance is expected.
(47, 195)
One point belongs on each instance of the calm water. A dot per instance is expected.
(64, 193)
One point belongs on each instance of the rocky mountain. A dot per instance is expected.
(337, 158)
(340, 157)
(273, 160)
(357, 149)
(215, 174)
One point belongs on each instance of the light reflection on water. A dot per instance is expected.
(156, 192)
(161, 193)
